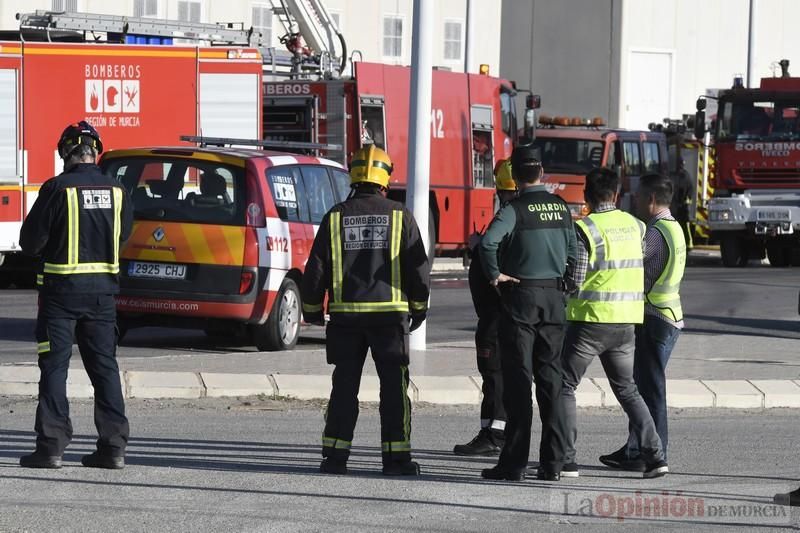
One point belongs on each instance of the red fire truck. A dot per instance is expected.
(473, 124)
(756, 204)
(134, 95)
(571, 147)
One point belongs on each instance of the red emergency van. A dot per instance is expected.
(221, 237)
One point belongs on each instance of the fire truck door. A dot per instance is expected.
(10, 159)
(291, 118)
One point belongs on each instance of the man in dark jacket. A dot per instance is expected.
(538, 240)
(76, 227)
(370, 259)
(486, 301)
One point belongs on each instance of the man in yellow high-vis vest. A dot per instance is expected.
(602, 312)
(664, 263)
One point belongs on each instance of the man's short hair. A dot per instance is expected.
(601, 185)
(527, 171)
(659, 186)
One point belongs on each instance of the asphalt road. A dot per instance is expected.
(744, 322)
(252, 466)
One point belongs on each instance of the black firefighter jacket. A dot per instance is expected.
(76, 227)
(369, 257)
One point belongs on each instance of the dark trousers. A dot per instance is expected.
(614, 345)
(531, 335)
(490, 368)
(346, 348)
(655, 340)
(91, 319)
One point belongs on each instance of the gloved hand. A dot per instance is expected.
(317, 319)
(416, 320)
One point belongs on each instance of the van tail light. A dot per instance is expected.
(246, 281)
(255, 216)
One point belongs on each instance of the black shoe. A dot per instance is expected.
(332, 466)
(40, 460)
(790, 498)
(401, 468)
(99, 460)
(570, 470)
(619, 460)
(498, 473)
(655, 469)
(544, 475)
(484, 444)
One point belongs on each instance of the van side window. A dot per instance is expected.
(652, 159)
(288, 193)
(614, 157)
(318, 191)
(341, 181)
(633, 161)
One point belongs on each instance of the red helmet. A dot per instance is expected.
(76, 134)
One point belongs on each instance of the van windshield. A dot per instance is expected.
(182, 190)
(569, 156)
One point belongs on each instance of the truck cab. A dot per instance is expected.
(571, 147)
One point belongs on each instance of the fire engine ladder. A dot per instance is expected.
(310, 20)
(215, 34)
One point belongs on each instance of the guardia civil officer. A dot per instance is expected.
(76, 227)
(538, 239)
(491, 438)
(370, 259)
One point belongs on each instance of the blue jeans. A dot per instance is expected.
(614, 345)
(655, 340)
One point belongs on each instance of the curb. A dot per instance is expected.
(23, 381)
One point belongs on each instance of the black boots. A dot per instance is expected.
(488, 442)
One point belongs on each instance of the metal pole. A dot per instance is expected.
(751, 46)
(419, 127)
(469, 53)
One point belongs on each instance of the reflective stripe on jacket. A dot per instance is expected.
(613, 290)
(76, 227)
(664, 296)
(369, 257)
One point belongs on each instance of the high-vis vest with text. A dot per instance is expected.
(664, 295)
(613, 290)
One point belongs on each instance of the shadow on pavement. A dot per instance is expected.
(18, 329)
(746, 326)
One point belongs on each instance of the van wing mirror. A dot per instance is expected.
(533, 101)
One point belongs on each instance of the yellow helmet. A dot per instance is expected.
(503, 179)
(370, 164)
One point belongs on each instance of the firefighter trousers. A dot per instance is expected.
(346, 348)
(488, 355)
(91, 320)
(531, 336)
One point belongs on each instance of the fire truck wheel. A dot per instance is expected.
(779, 256)
(282, 328)
(733, 251)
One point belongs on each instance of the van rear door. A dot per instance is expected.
(189, 231)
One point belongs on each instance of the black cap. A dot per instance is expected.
(525, 155)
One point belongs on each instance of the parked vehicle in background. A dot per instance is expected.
(221, 237)
(571, 147)
(755, 210)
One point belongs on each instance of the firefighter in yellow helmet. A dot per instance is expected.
(491, 437)
(370, 259)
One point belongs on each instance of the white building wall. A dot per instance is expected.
(707, 45)
(361, 21)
